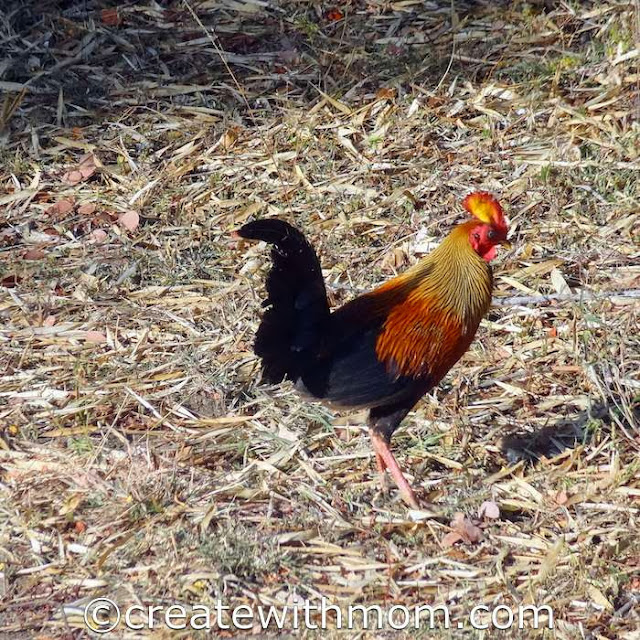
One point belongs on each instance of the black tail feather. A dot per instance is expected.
(297, 300)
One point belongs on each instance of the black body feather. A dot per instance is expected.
(298, 310)
(330, 356)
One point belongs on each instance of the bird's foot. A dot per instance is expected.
(385, 460)
(406, 492)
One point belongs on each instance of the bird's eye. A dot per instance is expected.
(492, 235)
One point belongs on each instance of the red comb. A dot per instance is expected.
(485, 207)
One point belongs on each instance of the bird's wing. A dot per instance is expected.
(348, 371)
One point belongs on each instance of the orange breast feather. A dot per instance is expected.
(420, 337)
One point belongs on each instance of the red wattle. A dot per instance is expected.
(490, 254)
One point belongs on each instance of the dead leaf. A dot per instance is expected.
(95, 336)
(87, 172)
(334, 15)
(465, 529)
(558, 282)
(106, 216)
(10, 281)
(85, 169)
(60, 208)
(98, 236)
(9, 237)
(110, 17)
(72, 177)
(450, 539)
(394, 259)
(385, 94)
(634, 585)
(129, 220)
(598, 597)
(86, 209)
(395, 50)
(561, 497)
(33, 254)
(80, 526)
(489, 509)
(229, 138)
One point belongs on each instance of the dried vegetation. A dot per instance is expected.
(139, 457)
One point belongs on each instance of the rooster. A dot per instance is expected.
(385, 349)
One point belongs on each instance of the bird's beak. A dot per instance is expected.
(506, 244)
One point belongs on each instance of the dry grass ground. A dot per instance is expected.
(140, 459)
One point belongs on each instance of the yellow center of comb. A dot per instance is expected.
(483, 206)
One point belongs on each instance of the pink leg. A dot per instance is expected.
(382, 467)
(385, 457)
